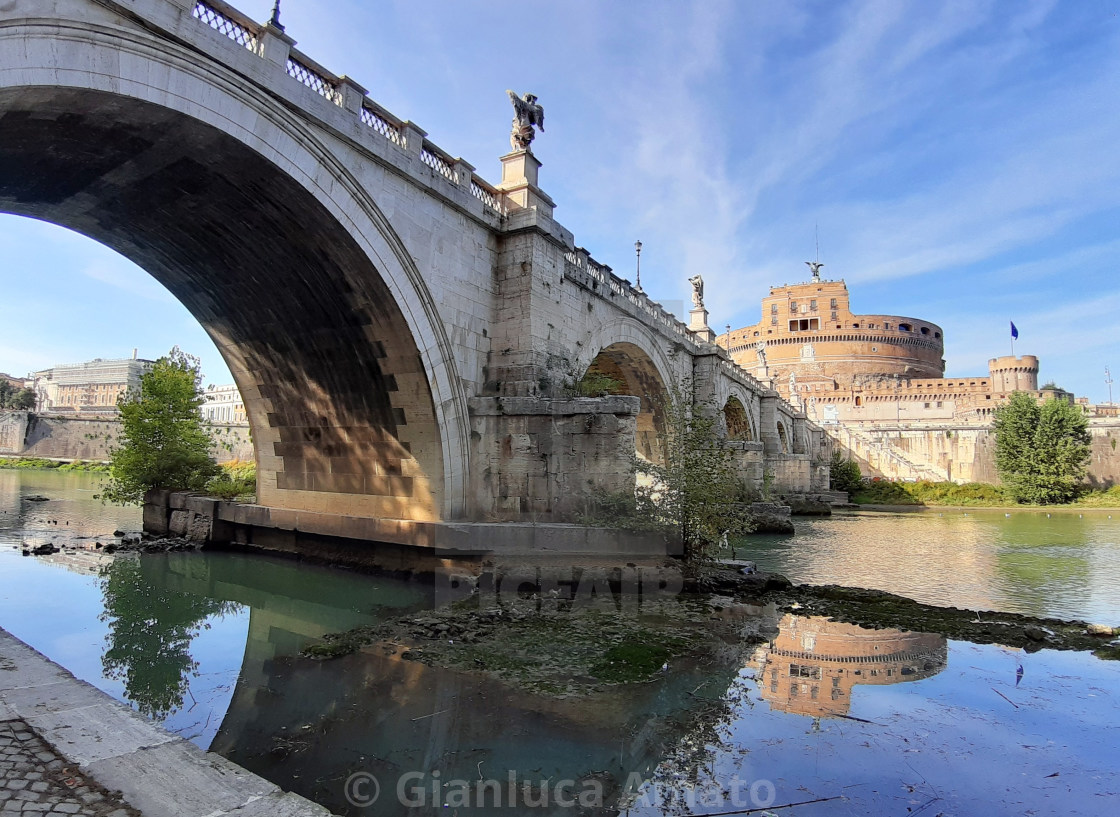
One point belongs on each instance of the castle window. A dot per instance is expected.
(905, 327)
(937, 334)
(773, 309)
(813, 305)
(925, 330)
(855, 326)
(925, 405)
(832, 304)
(774, 321)
(833, 316)
(793, 306)
(803, 671)
(859, 401)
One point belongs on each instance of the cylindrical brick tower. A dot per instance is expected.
(1013, 373)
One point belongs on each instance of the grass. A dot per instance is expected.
(975, 494)
(238, 480)
(54, 465)
(929, 493)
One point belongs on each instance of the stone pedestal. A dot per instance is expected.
(698, 325)
(519, 183)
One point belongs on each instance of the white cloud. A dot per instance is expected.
(124, 275)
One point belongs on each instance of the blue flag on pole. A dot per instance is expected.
(1014, 331)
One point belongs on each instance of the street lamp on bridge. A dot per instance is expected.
(638, 276)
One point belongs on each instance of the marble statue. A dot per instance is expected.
(527, 112)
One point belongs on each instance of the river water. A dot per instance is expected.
(862, 721)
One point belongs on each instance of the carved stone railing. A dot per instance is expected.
(598, 278)
(737, 372)
(301, 68)
(227, 20)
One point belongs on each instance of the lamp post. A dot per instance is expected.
(729, 338)
(638, 276)
(275, 20)
(1108, 380)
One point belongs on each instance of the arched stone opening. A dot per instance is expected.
(337, 394)
(626, 369)
(783, 437)
(736, 420)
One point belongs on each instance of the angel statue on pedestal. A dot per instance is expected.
(526, 113)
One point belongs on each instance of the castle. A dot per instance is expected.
(840, 367)
(876, 385)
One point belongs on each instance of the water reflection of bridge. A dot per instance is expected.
(813, 664)
(309, 725)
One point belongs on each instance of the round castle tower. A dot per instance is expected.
(1008, 374)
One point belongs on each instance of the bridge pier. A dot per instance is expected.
(542, 459)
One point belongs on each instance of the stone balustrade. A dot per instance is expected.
(270, 42)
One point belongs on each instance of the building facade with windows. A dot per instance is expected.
(224, 406)
(87, 388)
(839, 366)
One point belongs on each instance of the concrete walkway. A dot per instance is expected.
(67, 748)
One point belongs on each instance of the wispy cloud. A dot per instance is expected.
(123, 275)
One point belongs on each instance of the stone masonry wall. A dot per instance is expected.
(545, 460)
(959, 453)
(23, 434)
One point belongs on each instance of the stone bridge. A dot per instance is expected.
(407, 337)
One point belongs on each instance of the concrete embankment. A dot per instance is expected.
(107, 748)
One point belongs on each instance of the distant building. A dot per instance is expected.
(224, 406)
(87, 388)
(841, 367)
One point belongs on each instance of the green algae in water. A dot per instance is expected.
(631, 661)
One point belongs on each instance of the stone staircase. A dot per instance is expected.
(878, 456)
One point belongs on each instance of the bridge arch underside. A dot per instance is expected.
(340, 406)
(737, 420)
(636, 374)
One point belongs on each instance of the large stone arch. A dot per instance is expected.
(731, 393)
(238, 207)
(737, 420)
(626, 351)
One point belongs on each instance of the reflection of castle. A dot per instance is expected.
(811, 666)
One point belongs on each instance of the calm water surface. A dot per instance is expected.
(868, 722)
(1063, 564)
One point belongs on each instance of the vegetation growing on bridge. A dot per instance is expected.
(164, 442)
(694, 491)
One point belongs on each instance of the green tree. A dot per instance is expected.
(164, 442)
(1041, 450)
(844, 473)
(13, 397)
(695, 487)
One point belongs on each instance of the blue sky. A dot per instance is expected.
(961, 161)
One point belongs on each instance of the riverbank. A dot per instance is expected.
(968, 495)
(51, 464)
(110, 761)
